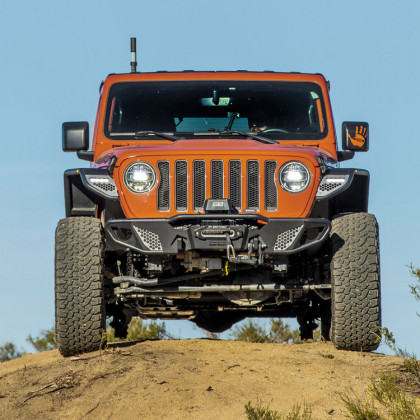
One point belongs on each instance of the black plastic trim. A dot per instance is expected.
(84, 171)
(338, 172)
(198, 217)
(124, 233)
(85, 155)
(81, 199)
(353, 197)
(345, 155)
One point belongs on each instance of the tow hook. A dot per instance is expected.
(245, 259)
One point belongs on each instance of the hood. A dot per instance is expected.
(208, 147)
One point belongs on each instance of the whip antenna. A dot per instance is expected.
(133, 56)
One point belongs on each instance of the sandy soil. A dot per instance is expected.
(185, 379)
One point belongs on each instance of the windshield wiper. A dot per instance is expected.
(251, 135)
(156, 133)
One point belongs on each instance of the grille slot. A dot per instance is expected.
(181, 185)
(163, 190)
(235, 183)
(199, 184)
(270, 189)
(253, 185)
(217, 179)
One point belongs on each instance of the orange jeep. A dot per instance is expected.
(212, 197)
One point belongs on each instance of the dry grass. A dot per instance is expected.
(261, 412)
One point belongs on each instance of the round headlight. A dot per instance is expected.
(140, 177)
(294, 177)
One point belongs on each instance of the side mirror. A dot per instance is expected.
(355, 136)
(75, 136)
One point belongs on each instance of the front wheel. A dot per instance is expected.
(79, 296)
(355, 278)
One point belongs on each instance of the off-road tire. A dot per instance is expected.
(79, 296)
(355, 278)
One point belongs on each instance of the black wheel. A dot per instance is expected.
(355, 278)
(79, 295)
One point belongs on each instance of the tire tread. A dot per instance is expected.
(355, 276)
(79, 300)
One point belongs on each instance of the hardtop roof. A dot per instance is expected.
(217, 75)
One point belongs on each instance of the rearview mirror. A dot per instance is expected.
(219, 101)
(355, 136)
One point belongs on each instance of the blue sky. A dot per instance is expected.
(53, 56)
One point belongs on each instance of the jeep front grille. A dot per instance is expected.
(250, 185)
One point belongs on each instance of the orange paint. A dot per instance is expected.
(127, 151)
(321, 120)
(145, 205)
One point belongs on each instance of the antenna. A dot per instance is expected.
(133, 56)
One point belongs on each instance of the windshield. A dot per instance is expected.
(280, 110)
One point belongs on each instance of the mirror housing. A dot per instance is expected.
(355, 136)
(75, 136)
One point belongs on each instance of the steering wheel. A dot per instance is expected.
(271, 130)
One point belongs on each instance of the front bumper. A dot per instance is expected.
(215, 232)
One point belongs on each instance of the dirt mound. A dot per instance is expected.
(185, 379)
